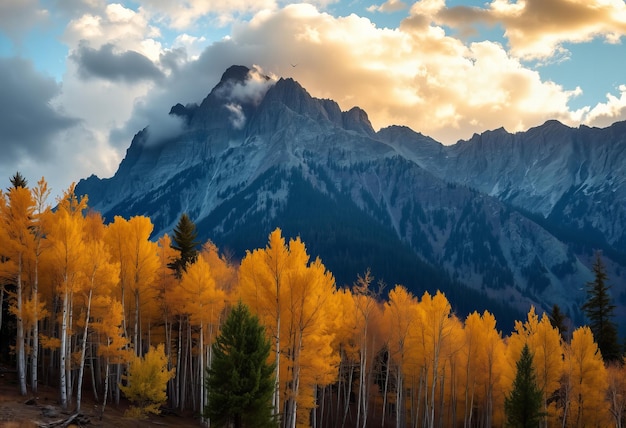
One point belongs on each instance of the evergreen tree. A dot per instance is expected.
(240, 381)
(557, 320)
(599, 310)
(184, 241)
(18, 180)
(523, 405)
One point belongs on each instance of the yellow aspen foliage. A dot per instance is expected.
(616, 393)
(146, 381)
(223, 271)
(67, 254)
(165, 289)
(544, 343)
(107, 323)
(401, 319)
(586, 383)
(483, 357)
(291, 297)
(16, 217)
(346, 329)
(130, 246)
(201, 293)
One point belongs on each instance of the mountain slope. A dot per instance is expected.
(258, 154)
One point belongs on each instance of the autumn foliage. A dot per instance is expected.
(98, 300)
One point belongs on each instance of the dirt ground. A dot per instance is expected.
(43, 410)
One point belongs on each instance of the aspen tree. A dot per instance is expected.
(401, 318)
(108, 315)
(130, 245)
(165, 284)
(616, 374)
(262, 278)
(100, 276)
(42, 213)
(204, 302)
(437, 324)
(68, 251)
(586, 377)
(289, 294)
(16, 214)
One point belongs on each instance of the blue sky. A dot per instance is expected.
(81, 77)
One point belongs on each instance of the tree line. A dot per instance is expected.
(93, 304)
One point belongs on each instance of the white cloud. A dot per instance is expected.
(415, 75)
(237, 116)
(388, 6)
(538, 29)
(604, 114)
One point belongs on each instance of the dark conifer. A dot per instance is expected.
(18, 180)
(240, 381)
(523, 405)
(599, 310)
(558, 320)
(184, 240)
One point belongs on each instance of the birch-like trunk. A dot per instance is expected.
(63, 349)
(35, 348)
(136, 329)
(83, 350)
(21, 357)
(106, 387)
(386, 388)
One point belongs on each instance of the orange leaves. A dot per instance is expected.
(203, 299)
(586, 381)
(293, 298)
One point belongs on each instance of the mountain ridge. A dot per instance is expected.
(482, 213)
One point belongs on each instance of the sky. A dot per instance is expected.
(78, 78)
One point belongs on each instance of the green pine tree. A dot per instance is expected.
(184, 241)
(599, 310)
(523, 405)
(240, 381)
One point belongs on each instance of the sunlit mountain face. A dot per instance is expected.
(500, 222)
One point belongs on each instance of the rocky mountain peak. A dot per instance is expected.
(505, 213)
(237, 73)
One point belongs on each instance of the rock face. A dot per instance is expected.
(498, 222)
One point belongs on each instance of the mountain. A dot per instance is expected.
(500, 221)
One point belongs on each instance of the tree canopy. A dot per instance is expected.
(599, 309)
(184, 241)
(523, 405)
(240, 381)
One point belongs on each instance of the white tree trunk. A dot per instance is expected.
(82, 354)
(63, 351)
(21, 357)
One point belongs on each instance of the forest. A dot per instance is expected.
(89, 301)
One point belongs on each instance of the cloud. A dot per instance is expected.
(605, 114)
(17, 17)
(237, 116)
(183, 14)
(105, 63)
(28, 119)
(538, 29)
(126, 29)
(388, 6)
(250, 91)
(414, 75)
